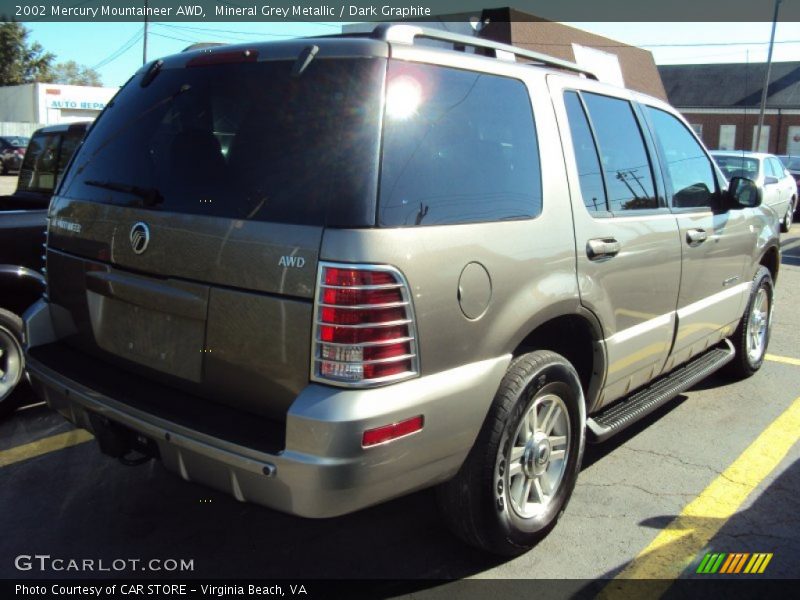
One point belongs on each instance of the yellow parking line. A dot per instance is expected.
(673, 550)
(43, 446)
(783, 359)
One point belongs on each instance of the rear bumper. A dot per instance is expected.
(322, 470)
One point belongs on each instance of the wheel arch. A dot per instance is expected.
(771, 260)
(578, 337)
(21, 286)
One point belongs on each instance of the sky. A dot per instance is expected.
(115, 49)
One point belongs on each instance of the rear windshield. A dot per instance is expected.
(791, 162)
(243, 141)
(738, 166)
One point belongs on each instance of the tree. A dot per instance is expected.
(71, 73)
(21, 62)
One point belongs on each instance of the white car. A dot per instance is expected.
(778, 187)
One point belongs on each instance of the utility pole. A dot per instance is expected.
(144, 47)
(766, 79)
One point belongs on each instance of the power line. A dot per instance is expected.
(718, 44)
(690, 45)
(214, 30)
(194, 38)
(201, 31)
(170, 37)
(121, 50)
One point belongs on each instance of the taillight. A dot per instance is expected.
(364, 328)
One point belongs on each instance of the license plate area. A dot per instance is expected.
(165, 342)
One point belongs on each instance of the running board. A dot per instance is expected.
(618, 416)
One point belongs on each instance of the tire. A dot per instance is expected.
(751, 337)
(12, 361)
(483, 503)
(788, 218)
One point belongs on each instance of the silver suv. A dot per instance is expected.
(322, 273)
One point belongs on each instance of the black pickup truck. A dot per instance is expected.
(23, 221)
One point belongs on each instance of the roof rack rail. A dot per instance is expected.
(406, 34)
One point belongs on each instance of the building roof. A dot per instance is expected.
(731, 85)
(556, 39)
(530, 32)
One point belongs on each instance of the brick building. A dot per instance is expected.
(511, 26)
(721, 101)
(611, 60)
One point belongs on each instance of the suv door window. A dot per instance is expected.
(459, 147)
(689, 169)
(625, 163)
(589, 173)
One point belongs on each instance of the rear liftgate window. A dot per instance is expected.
(459, 147)
(40, 166)
(245, 141)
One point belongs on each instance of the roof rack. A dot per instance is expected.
(406, 34)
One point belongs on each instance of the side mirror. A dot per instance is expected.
(743, 193)
(769, 180)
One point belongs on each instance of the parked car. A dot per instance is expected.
(23, 219)
(778, 187)
(792, 164)
(376, 289)
(12, 150)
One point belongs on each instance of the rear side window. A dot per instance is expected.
(777, 167)
(68, 146)
(40, 165)
(589, 174)
(769, 169)
(241, 141)
(688, 167)
(459, 147)
(625, 163)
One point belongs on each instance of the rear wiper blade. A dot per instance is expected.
(150, 196)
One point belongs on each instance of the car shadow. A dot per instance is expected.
(596, 452)
(88, 504)
(77, 503)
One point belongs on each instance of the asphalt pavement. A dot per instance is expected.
(73, 502)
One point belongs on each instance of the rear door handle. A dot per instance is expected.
(696, 236)
(602, 248)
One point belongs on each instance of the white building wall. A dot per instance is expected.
(67, 103)
(17, 103)
(51, 103)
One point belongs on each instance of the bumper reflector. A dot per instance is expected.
(387, 433)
